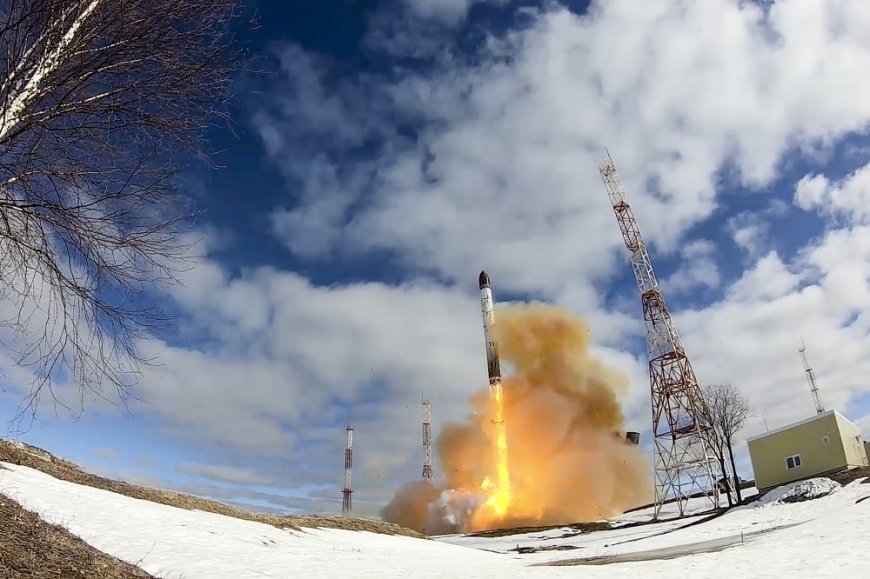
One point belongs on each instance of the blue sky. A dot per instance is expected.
(397, 147)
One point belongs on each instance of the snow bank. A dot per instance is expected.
(171, 543)
(796, 492)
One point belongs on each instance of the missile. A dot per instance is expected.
(487, 308)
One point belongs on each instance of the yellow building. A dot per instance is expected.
(820, 445)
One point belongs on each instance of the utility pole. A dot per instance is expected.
(684, 457)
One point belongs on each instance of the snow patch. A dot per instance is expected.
(820, 538)
(796, 492)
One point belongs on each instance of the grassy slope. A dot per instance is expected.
(30, 547)
(36, 458)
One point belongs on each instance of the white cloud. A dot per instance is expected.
(224, 473)
(503, 173)
(698, 268)
(751, 337)
(447, 11)
(768, 279)
(848, 198)
(287, 363)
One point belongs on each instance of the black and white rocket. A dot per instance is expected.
(488, 309)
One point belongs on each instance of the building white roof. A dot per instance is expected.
(798, 423)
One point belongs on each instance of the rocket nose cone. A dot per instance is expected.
(483, 280)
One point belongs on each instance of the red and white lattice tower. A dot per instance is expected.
(811, 379)
(427, 442)
(684, 459)
(348, 464)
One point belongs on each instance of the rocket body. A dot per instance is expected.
(488, 309)
(499, 491)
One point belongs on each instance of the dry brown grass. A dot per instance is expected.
(36, 458)
(847, 476)
(32, 548)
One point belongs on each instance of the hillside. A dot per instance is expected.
(820, 536)
(18, 453)
(31, 547)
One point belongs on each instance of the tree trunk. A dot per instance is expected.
(734, 470)
(725, 478)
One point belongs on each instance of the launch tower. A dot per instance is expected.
(427, 442)
(348, 464)
(811, 379)
(683, 456)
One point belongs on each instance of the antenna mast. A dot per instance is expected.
(683, 454)
(811, 379)
(427, 442)
(348, 463)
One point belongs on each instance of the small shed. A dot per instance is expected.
(824, 444)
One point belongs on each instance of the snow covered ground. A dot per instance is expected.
(826, 541)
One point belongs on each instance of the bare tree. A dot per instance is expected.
(102, 104)
(727, 411)
(717, 441)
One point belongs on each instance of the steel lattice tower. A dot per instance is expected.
(683, 456)
(427, 442)
(811, 379)
(348, 464)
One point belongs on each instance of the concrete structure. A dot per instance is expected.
(823, 444)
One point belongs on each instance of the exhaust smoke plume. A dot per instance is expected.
(569, 461)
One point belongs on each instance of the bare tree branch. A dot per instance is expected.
(727, 411)
(101, 104)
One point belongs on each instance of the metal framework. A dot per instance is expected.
(811, 379)
(684, 460)
(427, 442)
(348, 464)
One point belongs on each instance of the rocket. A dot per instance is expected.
(487, 308)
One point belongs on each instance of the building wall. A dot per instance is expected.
(853, 443)
(818, 442)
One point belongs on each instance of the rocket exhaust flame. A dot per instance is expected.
(552, 421)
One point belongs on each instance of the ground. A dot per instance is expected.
(818, 537)
(37, 458)
(30, 547)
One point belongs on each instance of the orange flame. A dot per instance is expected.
(499, 499)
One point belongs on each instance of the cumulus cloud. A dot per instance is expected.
(285, 363)
(751, 337)
(844, 199)
(698, 268)
(674, 90)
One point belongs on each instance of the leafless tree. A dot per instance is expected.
(717, 442)
(726, 410)
(102, 104)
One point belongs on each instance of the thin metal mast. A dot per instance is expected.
(684, 459)
(427, 442)
(348, 464)
(811, 379)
